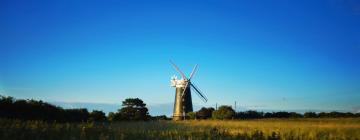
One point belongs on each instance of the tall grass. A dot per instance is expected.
(267, 129)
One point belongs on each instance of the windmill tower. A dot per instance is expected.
(183, 86)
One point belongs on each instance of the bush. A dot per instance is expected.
(224, 112)
(205, 113)
(161, 117)
(97, 115)
(191, 115)
(310, 115)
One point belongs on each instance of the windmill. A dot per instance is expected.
(183, 86)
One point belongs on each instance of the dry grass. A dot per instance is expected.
(315, 129)
(345, 128)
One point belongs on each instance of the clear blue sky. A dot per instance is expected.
(284, 55)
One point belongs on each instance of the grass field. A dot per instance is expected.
(315, 129)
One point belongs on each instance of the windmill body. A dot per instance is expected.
(183, 101)
(182, 105)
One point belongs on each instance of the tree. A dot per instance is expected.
(268, 115)
(161, 117)
(357, 114)
(250, 114)
(310, 115)
(97, 115)
(335, 114)
(224, 112)
(205, 113)
(133, 109)
(295, 115)
(281, 114)
(117, 117)
(76, 115)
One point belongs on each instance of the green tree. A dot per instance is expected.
(117, 117)
(205, 113)
(310, 115)
(357, 114)
(161, 117)
(224, 112)
(97, 115)
(295, 115)
(133, 109)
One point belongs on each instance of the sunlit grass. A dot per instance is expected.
(316, 129)
(289, 128)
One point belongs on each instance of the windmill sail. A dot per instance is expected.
(178, 70)
(193, 72)
(202, 96)
(188, 80)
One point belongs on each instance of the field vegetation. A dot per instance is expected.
(38, 120)
(262, 129)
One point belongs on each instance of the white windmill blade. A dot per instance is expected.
(186, 85)
(203, 97)
(193, 72)
(178, 70)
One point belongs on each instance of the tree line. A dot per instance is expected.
(134, 109)
(38, 110)
(10, 108)
(227, 112)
